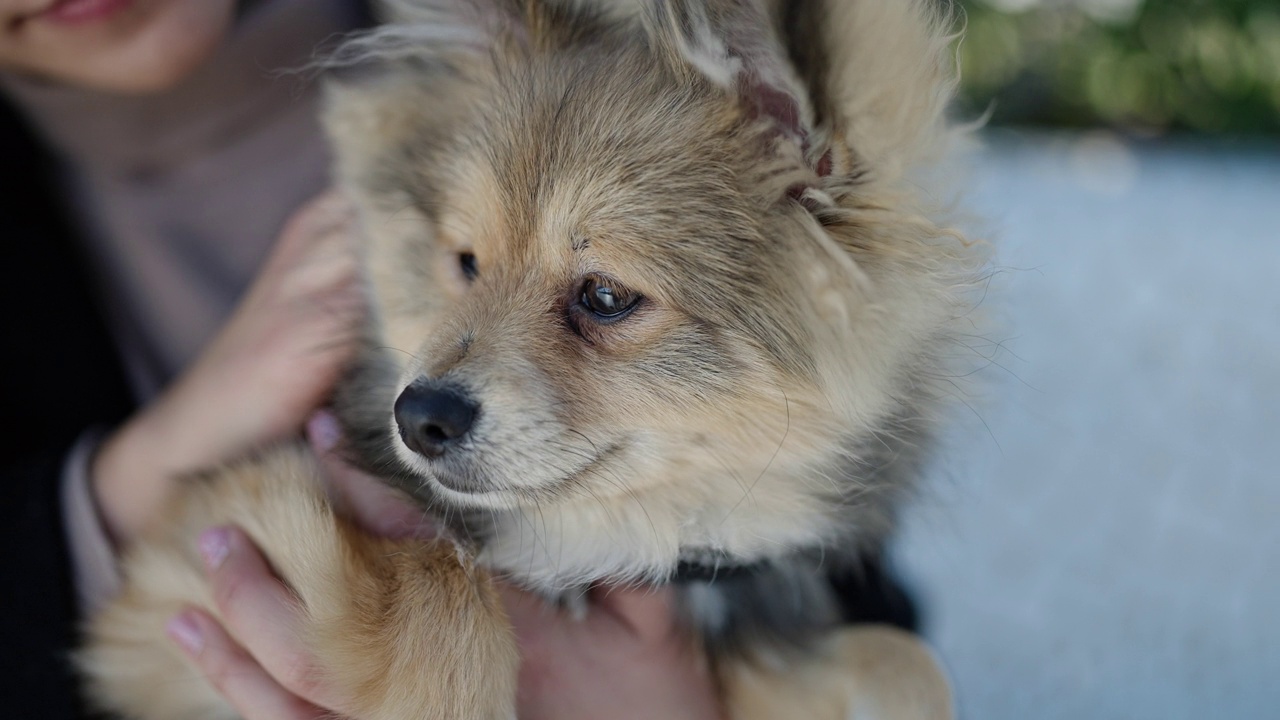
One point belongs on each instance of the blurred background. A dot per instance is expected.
(1102, 538)
(1146, 67)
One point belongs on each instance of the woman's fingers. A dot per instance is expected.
(646, 611)
(261, 613)
(367, 501)
(625, 658)
(234, 673)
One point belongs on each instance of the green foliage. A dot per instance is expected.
(1199, 65)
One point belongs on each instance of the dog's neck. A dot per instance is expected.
(568, 545)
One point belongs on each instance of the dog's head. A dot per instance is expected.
(656, 266)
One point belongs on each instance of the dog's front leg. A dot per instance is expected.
(401, 630)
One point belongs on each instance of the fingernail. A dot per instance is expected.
(324, 431)
(214, 545)
(182, 629)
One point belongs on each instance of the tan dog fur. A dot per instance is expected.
(771, 391)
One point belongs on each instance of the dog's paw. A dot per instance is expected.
(868, 672)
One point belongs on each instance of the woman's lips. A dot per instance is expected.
(81, 12)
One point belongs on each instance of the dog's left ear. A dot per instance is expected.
(737, 46)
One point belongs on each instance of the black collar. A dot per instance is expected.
(704, 571)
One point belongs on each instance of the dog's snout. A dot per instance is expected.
(432, 417)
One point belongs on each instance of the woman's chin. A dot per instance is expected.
(149, 49)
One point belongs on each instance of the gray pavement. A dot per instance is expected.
(1106, 542)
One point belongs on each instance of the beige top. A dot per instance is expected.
(180, 195)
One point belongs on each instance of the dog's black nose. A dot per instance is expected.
(431, 417)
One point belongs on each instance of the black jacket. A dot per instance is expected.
(59, 375)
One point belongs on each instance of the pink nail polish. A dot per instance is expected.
(324, 431)
(214, 545)
(183, 630)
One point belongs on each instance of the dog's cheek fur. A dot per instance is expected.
(390, 135)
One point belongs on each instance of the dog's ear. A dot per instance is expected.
(452, 32)
(426, 32)
(735, 45)
(882, 74)
(860, 86)
(382, 81)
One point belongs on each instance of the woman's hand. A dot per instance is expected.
(625, 659)
(274, 362)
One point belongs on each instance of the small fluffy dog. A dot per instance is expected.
(659, 297)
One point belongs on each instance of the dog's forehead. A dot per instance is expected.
(569, 159)
(568, 173)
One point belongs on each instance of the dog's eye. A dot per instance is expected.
(607, 300)
(467, 261)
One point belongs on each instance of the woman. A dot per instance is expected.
(180, 159)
